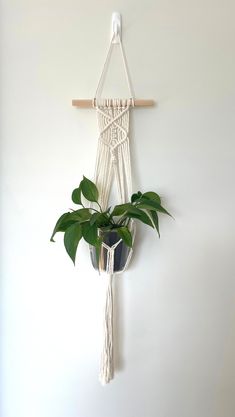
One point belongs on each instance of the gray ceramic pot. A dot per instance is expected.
(121, 252)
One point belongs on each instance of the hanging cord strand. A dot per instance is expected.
(106, 365)
(104, 70)
(112, 163)
(101, 80)
(126, 71)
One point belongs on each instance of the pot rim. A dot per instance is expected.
(109, 231)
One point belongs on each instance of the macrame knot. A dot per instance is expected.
(113, 157)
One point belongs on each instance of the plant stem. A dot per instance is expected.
(91, 208)
(99, 206)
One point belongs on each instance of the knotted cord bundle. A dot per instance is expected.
(112, 166)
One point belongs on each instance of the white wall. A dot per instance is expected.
(175, 305)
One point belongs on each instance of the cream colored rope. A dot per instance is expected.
(112, 165)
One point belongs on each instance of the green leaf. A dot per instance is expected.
(150, 195)
(154, 218)
(89, 190)
(125, 235)
(134, 197)
(151, 205)
(141, 216)
(101, 219)
(98, 249)
(76, 195)
(133, 210)
(90, 233)
(62, 224)
(81, 214)
(121, 209)
(93, 218)
(67, 219)
(72, 237)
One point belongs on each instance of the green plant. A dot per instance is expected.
(86, 222)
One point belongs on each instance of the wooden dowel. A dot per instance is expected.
(89, 103)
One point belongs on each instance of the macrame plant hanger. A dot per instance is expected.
(112, 166)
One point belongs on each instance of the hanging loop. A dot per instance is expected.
(116, 38)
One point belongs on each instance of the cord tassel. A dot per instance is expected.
(106, 366)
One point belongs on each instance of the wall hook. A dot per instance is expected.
(116, 27)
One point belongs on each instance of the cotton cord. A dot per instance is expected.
(105, 67)
(112, 165)
(106, 365)
(113, 154)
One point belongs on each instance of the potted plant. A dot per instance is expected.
(105, 229)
